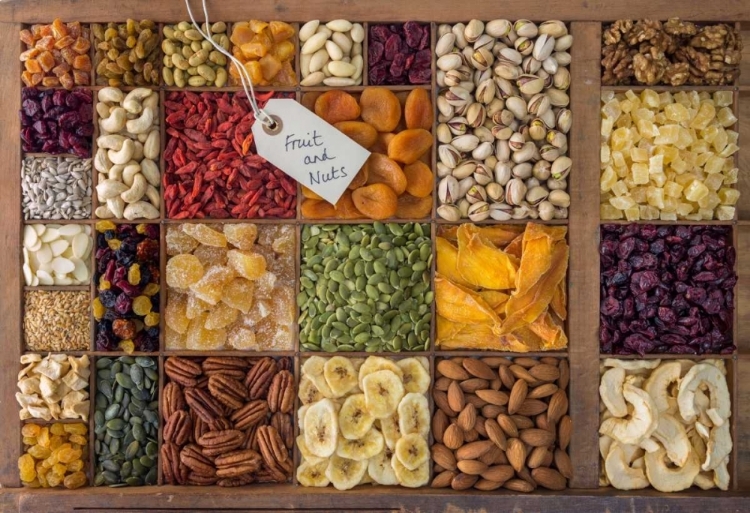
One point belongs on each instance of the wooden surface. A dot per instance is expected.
(583, 274)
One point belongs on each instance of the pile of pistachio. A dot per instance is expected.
(503, 120)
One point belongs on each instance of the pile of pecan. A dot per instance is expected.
(674, 53)
(227, 421)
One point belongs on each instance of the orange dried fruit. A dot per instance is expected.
(308, 99)
(411, 207)
(461, 304)
(33, 66)
(361, 133)
(559, 300)
(476, 255)
(281, 31)
(310, 194)
(495, 299)
(408, 145)
(380, 108)
(257, 25)
(381, 169)
(447, 261)
(345, 208)
(549, 331)
(317, 209)
(419, 179)
(241, 34)
(335, 106)
(381, 145)
(269, 67)
(458, 335)
(283, 50)
(376, 201)
(359, 179)
(418, 111)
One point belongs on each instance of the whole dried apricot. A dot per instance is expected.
(411, 207)
(381, 169)
(335, 106)
(419, 179)
(310, 194)
(407, 146)
(362, 133)
(317, 209)
(360, 178)
(418, 110)
(345, 208)
(381, 145)
(376, 201)
(380, 108)
(308, 99)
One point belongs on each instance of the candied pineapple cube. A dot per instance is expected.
(209, 288)
(723, 98)
(655, 197)
(650, 98)
(706, 214)
(668, 216)
(607, 96)
(626, 106)
(713, 165)
(695, 191)
(706, 112)
(720, 141)
(642, 114)
(731, 176)
(732, 136)
(726, 117)
(606, 129)
(668, 134)
(670, 153)
(620, 188)
(647, 128)
(617, 159)
(725, 213)
(659, 179)
(241, 236)
(710, 133)
(729, 196)
(622, 172)
(684, 138)
(608, 179)
(620, 139)
(656, 164)
(622, 202)
(205, 234)
(673, 190)
(604, 154)
(684, 209)
(729, 150)
(633, 213)
(665, 98)
(239, 294)
(676, 112)
(638, 194)
(640, 175)
(612, 109)
(649, 213)
(242, 339)
(638, 154)
(608, 212)
(709, 201)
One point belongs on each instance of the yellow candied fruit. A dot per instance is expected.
(75, 466)
(141, 228)
(126, 346)
(29, 440)
(114, 244)
(104, 284)
(77, 439)
(57, 428)
(142, 305)
(103, 226)
(75, 480)
(151, 319)
(98, 308)
(77, 428)
(150, 289)
(43, 437)
(31, 430)
(134, 274)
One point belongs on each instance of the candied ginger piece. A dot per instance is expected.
(183, 271)
(179, 242)
(238, 294)
(283, 306)
(242, 339)
(283, 339)
(259, 311)
(209, 288)
(174, 340)
(196, 306)
(201, 339)
(265, 285)
(211, 255)
(221, 316)
(175, 314)
(284, 242)
(248, 265)
(267, 234)
(205, 234)
(241, 236)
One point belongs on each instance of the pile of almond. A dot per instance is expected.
(501, 422)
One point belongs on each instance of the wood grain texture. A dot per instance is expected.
(379, 10)
(583, 271)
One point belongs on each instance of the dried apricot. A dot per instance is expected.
(317, 209)
(310, 194)
(381, 169)
(376, 201)
(336, 106)
(407, 146)
(411, 207)
(361, 133)
(418, 110)
(345, 208)
(384, 139)
(359, 180)
(419, 179)
(308, 99)
(380, 108)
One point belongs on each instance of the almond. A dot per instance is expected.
(496, 361)
(471, 436)
(507, 377)
(563, 463)
(548, 459)
(467, 417)
(564, 430)
(472, 385)
(531, 407)
(518, 485)
(477, 401)
(500, 459)
(525, 361)
(542, 422)
(516, 454)
(439, 424)
(522, 373)
(479, 426)
(507, 425)
(517, 396)
(558, 406)
(537, 437)
(471, 467)
(463, 481)
(478, 368)
(452, 370)
(436, 469)
(522, 422)
(526, 476)
(536, 457)
(490, 456)
(442, 384)
(564, 378)
(473, 450)
(441, 401)
(490, 411)
(549, 478)
(549, 360)
(443, 479)
(496, 384)
(544, 372)
(498, 473)
(456, 399)
(493, 397)
(486, 485)
(542, 391)
(443, 457)
(495, 433)
(453, 438)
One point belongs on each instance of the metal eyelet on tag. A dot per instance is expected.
(277, 127)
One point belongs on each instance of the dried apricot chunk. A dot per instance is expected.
(335, 106)
(359, 179)
(419, 179)
(345, 208)
(411, 207)
(183, 271)
(408, 145)
(361, 133)
(380, 108)
(418, 112)
(310, 194)
(317, 209)
(384, 139)
(280, 30)
(381, 169)
(376, 201)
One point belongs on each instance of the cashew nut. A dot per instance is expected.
(110, 189)
(115, 172)
(142, 137)
(124, 154)
(137, 190)
(151, 101)
(101, 161)
(151, 171)
(129, 173)
(142, 123)
(153, 195)
(103, 212)
(116, 206)
(110, 142)
(151, 146)
(110, 94)
(137, 150)
(133, 101)
(102, 109)
(141, 209)
(115, 121)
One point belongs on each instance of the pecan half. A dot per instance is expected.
(281, 392)
(249, 414)
(215, 443)
(237, 463)
(178, 428)
(285, 363)
(172, 468)
(182, 371)
(214, 364)
(236, 481)
(274, 452)
(195, 479)
(193, 458)
(260, 376)
(173, 400)
(220, 424)
(283, 424)
(230, 392)
(203, 404)
(251, 436)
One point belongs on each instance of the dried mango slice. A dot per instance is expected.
(550, 332)
(560, 300)
(500, 235)
(515, 247)
(457, 335)
(481, 263)
(457, 303)
(536, 257)
(495, 299)
(447, 261)
(523, 309)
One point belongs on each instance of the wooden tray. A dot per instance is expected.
(583, 273)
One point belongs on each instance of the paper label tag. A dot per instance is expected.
(309, 150)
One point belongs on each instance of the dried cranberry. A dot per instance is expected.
(378, 73)
(397, 66)
(625, 248)
(379, 33)
(413, 33)
(56, 122)
(611, 307)
(375, 52)
(399, 54)
(419, 76)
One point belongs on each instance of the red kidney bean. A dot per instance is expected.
(212, 168)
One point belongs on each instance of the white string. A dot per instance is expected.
(260, 114)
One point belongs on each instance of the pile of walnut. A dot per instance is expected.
(664, 424)
(54, 387)
(675, 52)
